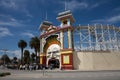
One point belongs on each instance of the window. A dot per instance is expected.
(65, 40)
(64, 22)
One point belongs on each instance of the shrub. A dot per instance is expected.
(4, 74)
(7, 73)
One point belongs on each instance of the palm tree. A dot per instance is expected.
(35, 44)
(22, 44)
(32, 57)
(26, 57)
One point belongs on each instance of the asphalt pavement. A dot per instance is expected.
(60, 75)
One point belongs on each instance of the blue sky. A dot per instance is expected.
(20, 19)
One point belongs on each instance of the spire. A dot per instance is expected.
(45, 24)
(46, 16)
(65, 17)
(65, 6)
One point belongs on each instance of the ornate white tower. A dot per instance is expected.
(65, 18)
(66, 39)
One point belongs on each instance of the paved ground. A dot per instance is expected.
(61, 75)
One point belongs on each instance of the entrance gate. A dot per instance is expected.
(53, 63)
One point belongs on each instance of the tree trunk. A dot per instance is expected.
(22, 56)
(36, 56)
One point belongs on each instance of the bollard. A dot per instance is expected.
(43, 71)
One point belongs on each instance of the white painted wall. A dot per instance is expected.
(96, 60)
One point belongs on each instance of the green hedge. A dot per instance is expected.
(4, 74)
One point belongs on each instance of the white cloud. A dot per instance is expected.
(114, 19)
(7, 20)
(17, 53)
(8, 4)
(99, 20)
(11, 23)
(5, 32)
(117, 9)
(13, 19)
(16, 5)
(74, 4)
(94, 6)
(84, 4)
(81, 5)
(28, 34)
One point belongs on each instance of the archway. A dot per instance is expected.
(53, 56)
(53, 63)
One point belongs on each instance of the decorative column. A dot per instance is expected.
(61, 39)
(69, 39)
(68, 22)
(41, 48)
(42, 54)
(42, 43)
